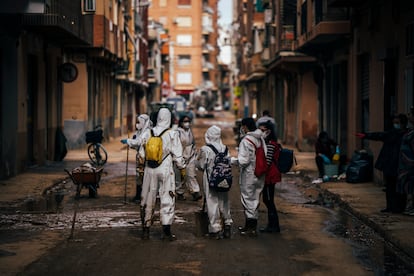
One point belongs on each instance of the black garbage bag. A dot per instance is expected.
(60, 145)
(360, 169)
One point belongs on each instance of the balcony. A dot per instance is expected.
(207, 66)
(208, 48)
(345, 3)
(325, 32)
(329, 25)
(61, 22)
(287, 38)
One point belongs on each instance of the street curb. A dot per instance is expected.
(391, 240)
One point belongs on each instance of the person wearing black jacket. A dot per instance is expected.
(387, 160)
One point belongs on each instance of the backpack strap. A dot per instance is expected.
(212, 148)
(215, 150)
(252, 142)
(152, 132)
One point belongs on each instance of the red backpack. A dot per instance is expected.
(261, 163)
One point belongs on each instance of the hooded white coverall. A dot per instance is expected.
(250, 185)
(217, 203)
(161, 180)
(189, 155)
(143, 123)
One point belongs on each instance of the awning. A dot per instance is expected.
(181, 90)
(256, 76)
(286, 57)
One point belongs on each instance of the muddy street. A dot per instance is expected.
(104, 238)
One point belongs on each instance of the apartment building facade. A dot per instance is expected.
(67, 66)
(190, 43)
(342, 66)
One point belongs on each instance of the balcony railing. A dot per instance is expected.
(62, 21)
(287, 37)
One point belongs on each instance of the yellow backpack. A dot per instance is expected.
(153, 150)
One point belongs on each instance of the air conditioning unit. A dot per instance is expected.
(89, 5)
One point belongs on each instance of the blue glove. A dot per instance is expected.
(337, 150)
(326, 160)
(124, 141)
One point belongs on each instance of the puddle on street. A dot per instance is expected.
(368, 247)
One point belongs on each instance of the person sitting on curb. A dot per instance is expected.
(324, 149)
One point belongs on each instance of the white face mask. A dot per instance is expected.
(242, 132)
(139, 125)
(397, 126)
(266, 133)
(186, 125)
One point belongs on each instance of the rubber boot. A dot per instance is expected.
(137, 197)
(273, 224)
(167, 235)
(253, 228)
(142, 214)
(243, 228)
(227, 231)
(250, 229)
(196, 196)
(145, 233)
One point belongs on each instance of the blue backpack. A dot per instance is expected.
(221, 178)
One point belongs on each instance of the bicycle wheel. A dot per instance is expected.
(97, 154)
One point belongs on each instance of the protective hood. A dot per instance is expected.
(163, 120)
(258, 134)
(213, 136)
(144, 121)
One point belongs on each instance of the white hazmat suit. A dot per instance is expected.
(161, 180)
(189, 155)
(218, 204)
(143, 122)
(250, 185)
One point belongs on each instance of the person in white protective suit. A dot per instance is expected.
(189, 154)
(161, 180)
(217, 203)
(250, 185)
(143, 123)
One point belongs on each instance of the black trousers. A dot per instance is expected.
(268, 198)
(395, 201)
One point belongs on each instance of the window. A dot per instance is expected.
(89, 5)
(163, 3)
(184, 78)
(184, 60)
(184, 2)
(163, 20)
(183, 21)
(184, 40)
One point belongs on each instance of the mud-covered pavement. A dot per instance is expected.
(105, 238)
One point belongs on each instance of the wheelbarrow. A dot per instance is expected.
(86, 176)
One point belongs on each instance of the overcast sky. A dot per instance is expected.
(225, 8)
